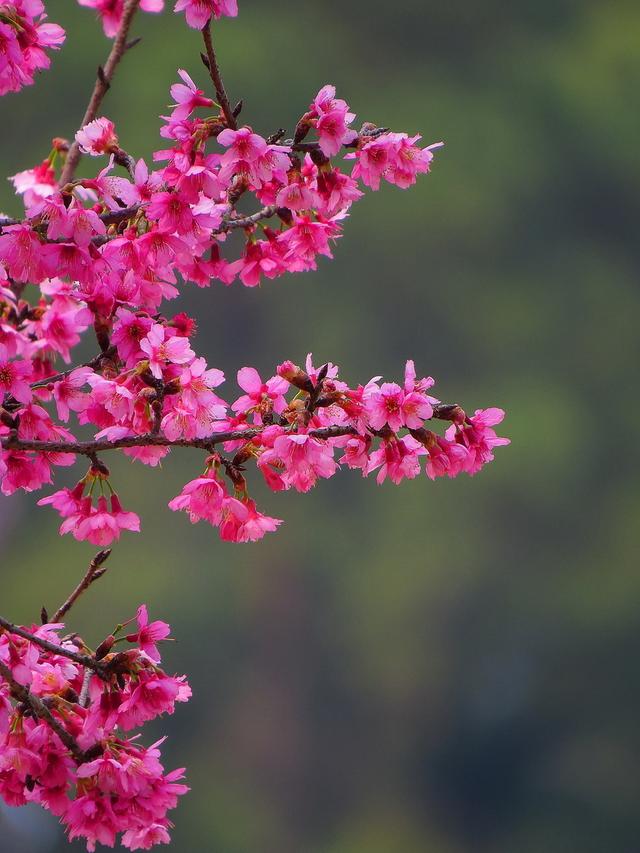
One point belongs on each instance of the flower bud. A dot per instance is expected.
(296, 376)
(105, 647)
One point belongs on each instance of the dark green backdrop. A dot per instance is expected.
(445, 667)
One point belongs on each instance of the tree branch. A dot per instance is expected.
(93, 364)
(90, 448)
(94, 572)
(216, 76)
(246, 221)
(76, 657)
(102, 84)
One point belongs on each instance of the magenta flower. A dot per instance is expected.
(202, 499)
(478, 437)
(241, 522)
(187, 97)
(14, 376)
(242, 145)
(162, 350)
(200, 12)
(68, 394)
(98, 137)
(110, 12)
(149, 634)
(260, 397)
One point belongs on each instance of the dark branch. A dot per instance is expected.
(76, 657)
(94, 572)
(90, 448)
(102, 85)
(214, 71)
(40, 710)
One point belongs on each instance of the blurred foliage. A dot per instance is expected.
(447, 667)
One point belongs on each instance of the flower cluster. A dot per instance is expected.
(24, 39)
(66, 715)
(106, 252)
(198, 12)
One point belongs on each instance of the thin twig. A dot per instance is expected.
(246, 221)
(59, 377)
(76, 657)
(94, 572)
(83, 701)
(90, 448)
(37, 706)
(102, 84)
(216, 76)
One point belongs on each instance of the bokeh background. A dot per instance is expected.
(446, 667)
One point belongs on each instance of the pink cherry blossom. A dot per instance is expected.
(14, 376)
(149, 634)
(202, 499)
(187, 97)
(478, 437)
(110, 12)
(162, 349)
(98, 137)
(199, 12)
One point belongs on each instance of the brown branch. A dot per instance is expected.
(59, 377)
(246, 221)
(111, 217)
(76, 657)
(90, 448)
(102, 84)
(216, 76)
(94, 572)
(40, 710)
(114, 216)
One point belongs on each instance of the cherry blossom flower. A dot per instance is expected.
(14, 376)
(110, 12)
(202, 498)
(162, 349)
(98, 137)
(149, 634)
(199, 12)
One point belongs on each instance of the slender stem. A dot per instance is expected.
(101, 87)
(94, 572)
(90, 448)
(59, 377)
(84, 693)
(82, 660)
(37, 706)
(216, 76)
(245, 221)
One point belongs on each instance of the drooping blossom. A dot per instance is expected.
(200, 12)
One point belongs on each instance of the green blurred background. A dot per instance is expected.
(446, 667)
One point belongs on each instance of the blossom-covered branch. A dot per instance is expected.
(104, 256)
(75, 754)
